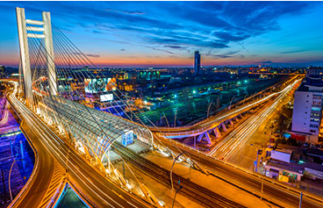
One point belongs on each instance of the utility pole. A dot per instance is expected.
(175, 116)
(208, 109)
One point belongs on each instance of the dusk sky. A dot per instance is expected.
(167, 33)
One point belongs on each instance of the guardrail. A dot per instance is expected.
(31, 179)
(223, 111)
(58, 193)
(261, 178)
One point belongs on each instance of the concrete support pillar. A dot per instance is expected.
(50, 53)
(224, 127)
(231, 122)
(236, 119)
(24, 55)
(208, 138)
(217, 132)
(200, 137)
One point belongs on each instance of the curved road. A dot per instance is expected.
(92, 185)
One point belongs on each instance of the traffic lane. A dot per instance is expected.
(36, 193)
(89, 181)
(43, 133)
(60, 156)
(245, 179)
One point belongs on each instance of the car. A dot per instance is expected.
(305, 144)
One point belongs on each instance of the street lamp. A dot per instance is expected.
(179, 188)
(10, 177)
(231, 102)
(244, 98)
(166, 119)
(208, 109)
(171, 170)
(175, 116)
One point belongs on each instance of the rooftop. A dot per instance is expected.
(285, 166)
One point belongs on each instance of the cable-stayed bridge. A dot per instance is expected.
(51, 101)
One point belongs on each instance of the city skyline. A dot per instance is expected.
(144, 34)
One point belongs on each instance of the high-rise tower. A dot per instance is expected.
(197, 63)
(40, 30)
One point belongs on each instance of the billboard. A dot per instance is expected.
(99, 85)
(106, 97)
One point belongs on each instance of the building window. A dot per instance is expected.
(312, 131)
(314, 126)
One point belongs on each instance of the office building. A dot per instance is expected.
(307, 113)
(197, 63)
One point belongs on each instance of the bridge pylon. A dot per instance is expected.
(40, 30)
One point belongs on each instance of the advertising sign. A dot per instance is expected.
(106, 97)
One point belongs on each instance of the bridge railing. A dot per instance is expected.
(31, 179)
(260, 177)
(221, 112)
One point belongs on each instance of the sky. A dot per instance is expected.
(166, 34)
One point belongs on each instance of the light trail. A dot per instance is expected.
(60, 150)
(242, 134)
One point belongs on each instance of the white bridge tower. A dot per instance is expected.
(43, 29)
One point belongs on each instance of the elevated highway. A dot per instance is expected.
(204, 128)
(90, 183)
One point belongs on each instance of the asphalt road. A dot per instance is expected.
(92, 185)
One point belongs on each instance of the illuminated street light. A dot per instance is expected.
(194, 91)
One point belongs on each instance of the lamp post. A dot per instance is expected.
(166, 119)
(208, 109)
(171, 170)
(244, 98)
(179, 188)
(10, 177)
(175, 116)
(231, 102)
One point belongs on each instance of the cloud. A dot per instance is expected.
(225, 36)
(158, 49)
(205, 26)
(295, 51)
(89, 55)
(122, 49)
(136, 12)
(174, 46)
(93, 55)
(266, 62)
(228, 54)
